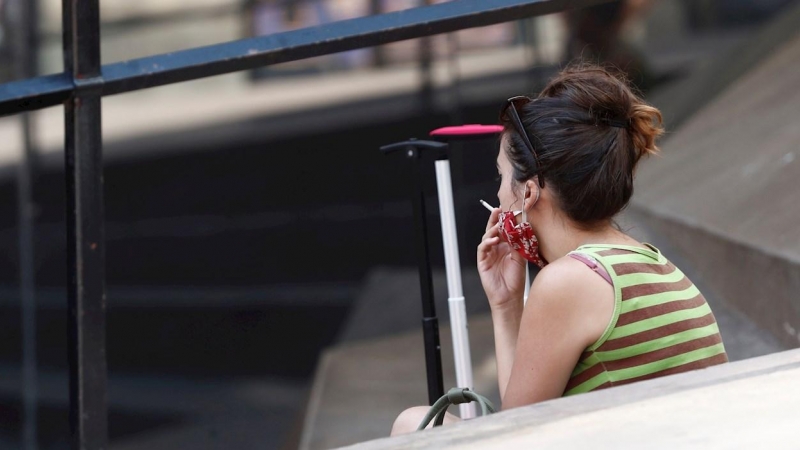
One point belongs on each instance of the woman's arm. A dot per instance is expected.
(506, 323)
(568, 309)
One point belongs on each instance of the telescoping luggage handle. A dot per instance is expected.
(455, 294)
(430, 323)
(457, 309)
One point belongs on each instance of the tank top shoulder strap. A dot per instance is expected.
(592, 264)
(621, 252)
(601, 257)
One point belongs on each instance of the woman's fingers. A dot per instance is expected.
(486, 246)
(491, 232)
(489, 241)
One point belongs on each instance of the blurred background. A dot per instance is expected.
(252, 223)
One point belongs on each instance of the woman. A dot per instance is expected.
(607, 310)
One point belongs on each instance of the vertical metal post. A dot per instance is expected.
(85, 240)
(25, 15)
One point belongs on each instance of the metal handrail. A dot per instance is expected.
(244, 54)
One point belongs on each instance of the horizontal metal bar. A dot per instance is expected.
(35, 93)
(262, 51)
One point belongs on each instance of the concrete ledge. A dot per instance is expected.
(746, 404)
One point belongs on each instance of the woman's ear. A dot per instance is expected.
(532, 193)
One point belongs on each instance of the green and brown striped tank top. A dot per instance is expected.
(661, 324)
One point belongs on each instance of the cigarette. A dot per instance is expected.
(487, 206)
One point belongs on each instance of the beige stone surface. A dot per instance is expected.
(746, 404)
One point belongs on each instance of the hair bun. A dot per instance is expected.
(646, 127)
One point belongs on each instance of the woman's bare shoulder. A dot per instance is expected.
(569, 290)
(567, 275)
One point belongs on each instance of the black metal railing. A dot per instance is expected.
(83, 84)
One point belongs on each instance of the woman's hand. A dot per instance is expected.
(502, 270)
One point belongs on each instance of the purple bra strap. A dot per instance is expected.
(593, 265)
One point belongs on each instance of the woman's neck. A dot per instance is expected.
(561, 237)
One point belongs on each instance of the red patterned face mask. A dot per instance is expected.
(520, 237)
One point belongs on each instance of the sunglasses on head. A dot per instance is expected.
(510, 113)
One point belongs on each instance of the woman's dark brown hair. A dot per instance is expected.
(589, 130)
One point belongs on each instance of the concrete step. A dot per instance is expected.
(745, 404)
